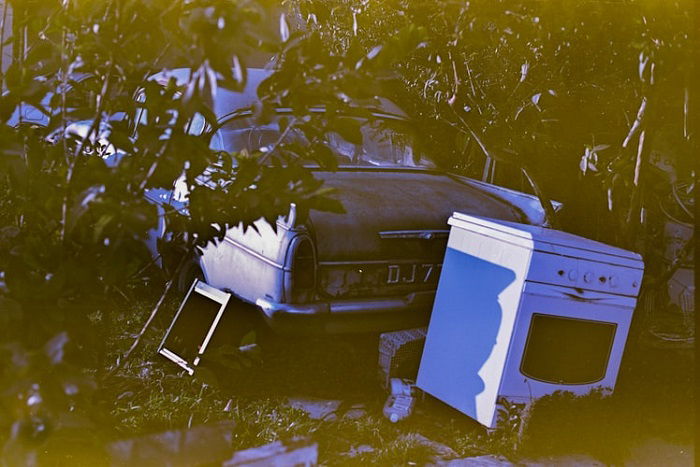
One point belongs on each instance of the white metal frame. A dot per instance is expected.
(211, 293)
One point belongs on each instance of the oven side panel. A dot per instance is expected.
(472, 321)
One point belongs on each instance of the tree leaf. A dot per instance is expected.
(284, 28)
(524, 68)
(55, 348)
(349, 129)
(374, 52)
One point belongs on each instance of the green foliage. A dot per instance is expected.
(533, 85)
(73, 177)
(44, 402)
(575, 93)
(76, 224)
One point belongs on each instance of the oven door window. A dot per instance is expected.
(567, 350)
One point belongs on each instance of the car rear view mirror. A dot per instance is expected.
(194, 324)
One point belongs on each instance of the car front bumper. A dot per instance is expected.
(349, 316)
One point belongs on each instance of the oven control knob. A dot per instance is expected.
(588, 277)
(613, 281)
(573, 275)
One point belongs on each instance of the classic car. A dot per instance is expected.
(373, 268)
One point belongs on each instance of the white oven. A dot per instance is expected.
(522, 311)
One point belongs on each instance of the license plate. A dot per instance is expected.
(413, 273)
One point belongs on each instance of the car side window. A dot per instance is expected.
(384, 144)
(195, 126)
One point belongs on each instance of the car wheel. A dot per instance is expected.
(189, 271)
(235, 344)
(238, 320)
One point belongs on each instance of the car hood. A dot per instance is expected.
(394, 201)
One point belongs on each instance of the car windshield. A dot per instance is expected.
(384, 142)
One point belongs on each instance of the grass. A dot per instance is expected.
(653, 400)
(403, 450)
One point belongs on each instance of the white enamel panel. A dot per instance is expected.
(548, 240)
(495, 278)
(472, 323)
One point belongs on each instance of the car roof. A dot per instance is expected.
(30, 114)
(227, 102)
(231, 102)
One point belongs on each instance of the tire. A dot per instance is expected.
(238, 320)
(190, 271)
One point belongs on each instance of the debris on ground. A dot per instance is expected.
(478, 461)
(198, 445)
(400, 403)
(400, 353)
(297, 451)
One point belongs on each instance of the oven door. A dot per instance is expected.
(565, 339)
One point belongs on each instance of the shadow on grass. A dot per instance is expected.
(339, 368)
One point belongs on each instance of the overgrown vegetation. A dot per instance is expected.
(580, 100)
(571, 93)
(653, 400)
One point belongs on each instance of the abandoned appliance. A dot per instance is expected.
(193, 326)
(522, 311)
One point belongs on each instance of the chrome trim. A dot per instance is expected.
(246, 112)
(271, 308)
(388, 262)
(255, 254)
(292, 217)
(287, 280)
(389, 304)
(415, 234)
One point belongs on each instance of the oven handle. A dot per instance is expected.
(577, 295)
(581, 299)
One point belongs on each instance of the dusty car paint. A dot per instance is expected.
(374, 268)
(377, 266)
